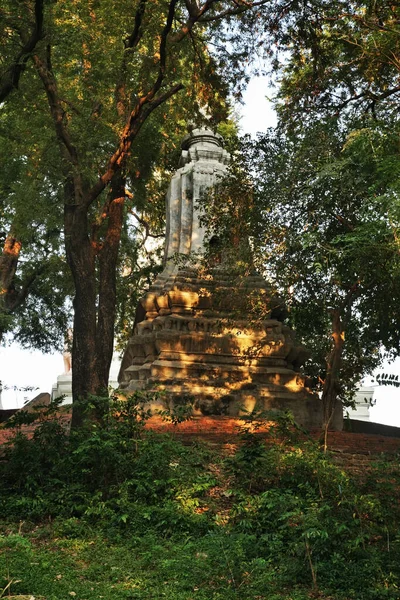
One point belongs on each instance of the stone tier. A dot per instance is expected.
(192, 338)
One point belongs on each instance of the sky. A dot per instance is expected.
(24, 368)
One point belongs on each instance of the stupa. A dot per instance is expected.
(193, 337)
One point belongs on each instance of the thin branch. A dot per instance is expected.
(344, 222)
(133, 40)
(349, 297)
(231, 12)
(367, 24)
(57, 112)
(163, 46)
(68, 149)
(194, 17)
(195, 50)
(24, 291)
(130, 44)
(145, 224)
(10, 80)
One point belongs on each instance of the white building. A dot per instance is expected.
(364, 399)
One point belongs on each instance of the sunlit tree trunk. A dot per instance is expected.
(8, 268)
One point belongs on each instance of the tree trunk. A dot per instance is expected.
(81, 260)
(95, 295)
(334, 363)
(108, 258)
(8, 268)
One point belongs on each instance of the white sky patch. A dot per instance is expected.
(26, 368)
(258, 113)
(387, 398)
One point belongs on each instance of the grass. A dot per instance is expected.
(119, 513)
(43, 563)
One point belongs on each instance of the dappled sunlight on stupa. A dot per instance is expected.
(194, 336)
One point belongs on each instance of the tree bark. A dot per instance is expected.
(108, 259)
(81, 260)
(334, 363)
(8, 268)
(10, 77)
(95, 295)
(13, 295)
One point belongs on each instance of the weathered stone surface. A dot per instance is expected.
(193, 334)
(228, 365)
(203, 162)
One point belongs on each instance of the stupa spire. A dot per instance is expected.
(202, 164)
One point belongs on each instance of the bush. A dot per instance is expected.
(115, 473)
(266, 519)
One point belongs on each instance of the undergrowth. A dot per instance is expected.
(116, 511)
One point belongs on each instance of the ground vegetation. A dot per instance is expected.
(122, 512)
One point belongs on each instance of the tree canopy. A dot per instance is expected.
(88, 154)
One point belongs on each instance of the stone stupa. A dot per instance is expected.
(192, 336)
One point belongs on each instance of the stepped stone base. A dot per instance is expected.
(193, 339)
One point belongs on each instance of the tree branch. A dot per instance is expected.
(344, 222)
(133, 40)
(349, 297)
(231, 12)
(146, 225)
(68, 149)
(163, 47)
(24, 291)
(147, 103)
(10, 80)
(144, 107)
(130, 44)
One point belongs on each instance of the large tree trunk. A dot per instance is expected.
(332, 381)
(81, 260)
(108, 258)
(95, 295)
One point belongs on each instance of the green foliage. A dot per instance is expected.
(339, 60)
(178, 410)
(96, 91)
(322, 215)
(388, 379)
(311, 520)
(136, 515)
(111, 472)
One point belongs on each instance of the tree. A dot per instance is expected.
(33, 275)
(39, 279)
(325, 197)
(340, 60)
(99, 106)
(339, 92)
(326, 228)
